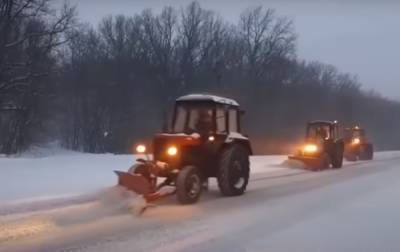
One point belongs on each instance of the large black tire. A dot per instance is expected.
(234, 170)
(325, 162)
(370, 152)
(366, 152)
(188, 185)
(337, 158)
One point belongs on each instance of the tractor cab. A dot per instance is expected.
(204, 140)
(357, 146)
(201, 126)
(322, 131)
(205, 115)
(323, 146)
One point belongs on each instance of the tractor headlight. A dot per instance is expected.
(310, 148)
(356, 140)
(141, 148)
(172, 151)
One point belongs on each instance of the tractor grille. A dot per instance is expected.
(160, 146)
(186, 154)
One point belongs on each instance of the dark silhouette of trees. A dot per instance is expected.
(102, 89)
(30, 32)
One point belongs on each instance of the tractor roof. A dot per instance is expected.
(355, 128)
(321, 122)
(211, 98)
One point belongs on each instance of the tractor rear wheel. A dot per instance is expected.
(188, 185)
(234, 169)
(337, 158)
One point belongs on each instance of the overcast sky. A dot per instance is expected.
(357, 36)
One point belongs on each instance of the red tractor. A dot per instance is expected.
(204, 141)
(357, 146)
(323, 146)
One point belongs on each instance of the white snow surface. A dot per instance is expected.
(67, 202)
(27, 178)
(32, 178)
(207, 97)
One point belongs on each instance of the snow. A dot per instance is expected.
(235, 135)
(193, 135)
(205, 97)
(67, 202)
(61, 174)
(68, 174)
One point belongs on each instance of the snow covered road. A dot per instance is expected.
(284, 209)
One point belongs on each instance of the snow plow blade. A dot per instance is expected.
(134, 182)
(310, 162)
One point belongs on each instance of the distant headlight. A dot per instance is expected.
(310, 148)
(356, 140)
(172, 151)
(141, 148)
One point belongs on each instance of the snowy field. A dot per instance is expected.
(66, 201)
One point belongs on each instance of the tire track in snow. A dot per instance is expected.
(70, 213)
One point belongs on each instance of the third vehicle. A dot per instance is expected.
(357, 145)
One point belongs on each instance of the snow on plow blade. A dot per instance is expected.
(134, 182)
(310, 162)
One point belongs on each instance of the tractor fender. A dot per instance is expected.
(339, 145)
(244, 142)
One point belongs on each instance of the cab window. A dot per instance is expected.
(221, 119)
(233, 120)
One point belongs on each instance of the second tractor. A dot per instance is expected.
(323, 146)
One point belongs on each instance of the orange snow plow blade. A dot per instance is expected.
(310, 162)
(140, 185)
(134, 182)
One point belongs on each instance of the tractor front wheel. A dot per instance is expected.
(234, 169)
(367, 152)
(337, 159)
(188, 185)
(370, 152)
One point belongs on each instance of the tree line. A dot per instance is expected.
(103, 88)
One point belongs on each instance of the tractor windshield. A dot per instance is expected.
(193, 117)
(318, 131)
(355, 134)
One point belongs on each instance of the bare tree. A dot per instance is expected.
(111, 85)
(30, 31)
(265, 37)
